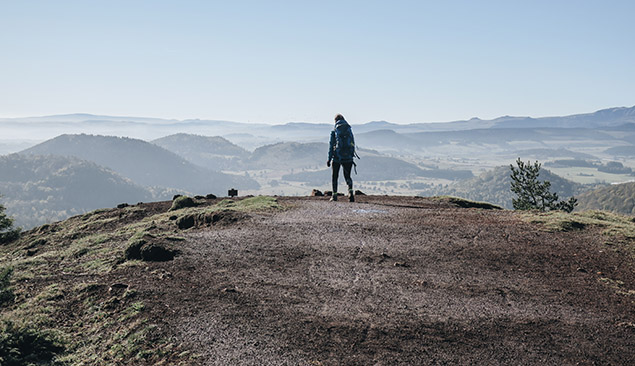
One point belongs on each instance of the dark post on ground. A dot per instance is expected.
(232, 192)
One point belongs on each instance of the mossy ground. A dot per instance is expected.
(618, 230)
(67, 281)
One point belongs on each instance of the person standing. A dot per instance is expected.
(341, 153)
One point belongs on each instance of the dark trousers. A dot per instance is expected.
(348, 165)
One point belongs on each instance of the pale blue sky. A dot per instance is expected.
(280, 61)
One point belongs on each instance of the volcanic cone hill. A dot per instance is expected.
(304, 281)
(142, 162)
(37, 189)
(214, 153)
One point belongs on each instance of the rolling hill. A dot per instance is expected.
(505, 139)
(616, 197)
(287, 156)
(39, 189)
(622, 151)
(215, 153)
(386, 140)
(142, 162)
(494, 187)
(377, 168)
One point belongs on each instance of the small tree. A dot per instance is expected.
(534, 194)
(7, 232)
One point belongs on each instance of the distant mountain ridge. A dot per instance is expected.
(608, 117)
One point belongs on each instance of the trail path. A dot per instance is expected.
(395, 280)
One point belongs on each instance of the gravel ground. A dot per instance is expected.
(394, 281)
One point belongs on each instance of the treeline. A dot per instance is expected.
(612, 167)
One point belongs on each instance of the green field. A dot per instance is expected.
(590, 175)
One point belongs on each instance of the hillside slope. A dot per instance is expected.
(304, 281)
(494, 186)
(617, 198)
(142, 162)
(288, 155)
(212, 152)
(373, 167)
(39, 189)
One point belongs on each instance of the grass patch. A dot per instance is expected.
(6, 292)
(616, 228)
(26, 337)
(257, 203)
(50, 293)
(131, 311)
(182, 202)
(94, 213)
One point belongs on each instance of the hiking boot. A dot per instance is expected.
(351, 196)
(333, 197)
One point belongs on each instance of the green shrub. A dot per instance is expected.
(6, 292)
(182, 202)
(7, 232)
(24, 345)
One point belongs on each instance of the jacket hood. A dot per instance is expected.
(340, 122)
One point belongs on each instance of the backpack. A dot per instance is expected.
(344, 143)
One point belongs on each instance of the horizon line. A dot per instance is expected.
(299, 122)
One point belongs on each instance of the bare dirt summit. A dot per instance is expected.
(305, 281)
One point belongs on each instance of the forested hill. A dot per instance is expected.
(38, 189)
(494, 186)
(144, 163)
(617, 198)
(213, 152)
